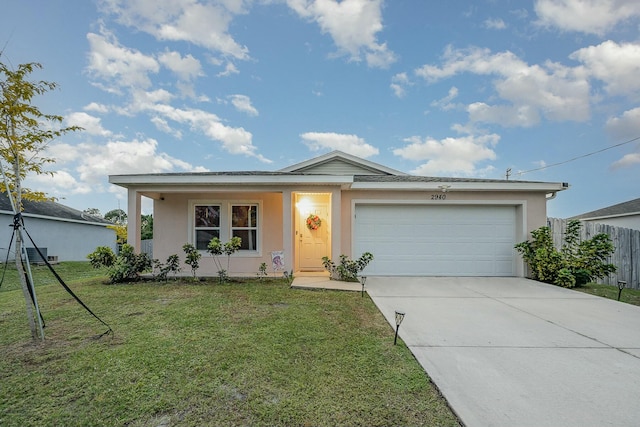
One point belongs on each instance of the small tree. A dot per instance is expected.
(217, 249)
(575, 264)
(193, 257)
(24, 133)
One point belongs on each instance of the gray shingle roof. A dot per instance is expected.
(51, 209)
(624, 208)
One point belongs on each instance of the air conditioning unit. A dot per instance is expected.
(34, 256)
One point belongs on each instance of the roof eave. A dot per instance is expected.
(257, 179)
(549, 187)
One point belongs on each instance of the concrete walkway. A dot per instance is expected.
(323, 282)
(515, 352)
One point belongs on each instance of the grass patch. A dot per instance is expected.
(630, 296)
(70, 271)
(204, 354)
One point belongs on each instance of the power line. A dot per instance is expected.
(579, 157)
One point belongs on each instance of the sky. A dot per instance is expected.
(548, 89)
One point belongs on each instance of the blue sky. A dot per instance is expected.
(438, 88)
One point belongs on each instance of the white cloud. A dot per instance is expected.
(163, 126)
(91, 124)
(627, 160)
(202, 23)
(118, 65)
(587, 16)
(445, 103)
(626, 126)
(124, 157)
(617, 65)
(551, 90)
(495, 24)
(96, 108)
(352, 24)
(399, 82)
(187, 67)
(61, 182)
(234, 140)
(242, 103)
(229, 69)
(351, 144)
(450, 156)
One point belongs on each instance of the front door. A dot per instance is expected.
(313, 244)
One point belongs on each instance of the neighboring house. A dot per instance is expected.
(58, 230)
(626, 215)
(413, 225)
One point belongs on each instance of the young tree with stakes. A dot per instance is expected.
(24, 134)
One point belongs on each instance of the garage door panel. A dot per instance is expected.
(436, 240)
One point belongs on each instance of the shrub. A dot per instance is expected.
(193, 257)
(348, 269)
(576, 264)
(217, 249)
(171, 266)
(103, 256)
(128, 265)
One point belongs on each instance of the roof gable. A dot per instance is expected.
(339, 163)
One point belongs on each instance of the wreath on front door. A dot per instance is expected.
(313, 222)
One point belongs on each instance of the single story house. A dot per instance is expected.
(625, 214)
(413, 225)
(62, 233)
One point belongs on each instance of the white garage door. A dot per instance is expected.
(454, 240)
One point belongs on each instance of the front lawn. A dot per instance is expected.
(204, 354)
(630, 296)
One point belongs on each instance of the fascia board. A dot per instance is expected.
(460, 186)
(187, 180)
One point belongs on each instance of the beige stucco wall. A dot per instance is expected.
(172, 230)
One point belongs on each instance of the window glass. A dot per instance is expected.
(207, 225)
(244, 224)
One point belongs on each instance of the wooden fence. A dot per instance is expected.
(627, 248)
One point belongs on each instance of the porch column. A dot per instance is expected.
(336, 223)
(134, 210)
(287, 229)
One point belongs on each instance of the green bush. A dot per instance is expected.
(575, 264)
(348, 269)
(193, 257)
(217, 249)
(129, 265)
(103, 256)
(171, 266)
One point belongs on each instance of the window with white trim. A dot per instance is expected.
(244, 224)
(206, 224)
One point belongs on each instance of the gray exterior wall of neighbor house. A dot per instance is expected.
(69, 241)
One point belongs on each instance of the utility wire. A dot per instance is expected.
(579, 157)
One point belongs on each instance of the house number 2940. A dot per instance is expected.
(438, 196)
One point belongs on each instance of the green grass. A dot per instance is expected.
(70, 271)
(204, 354)
(630, 296)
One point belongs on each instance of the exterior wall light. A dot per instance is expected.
(399, 319)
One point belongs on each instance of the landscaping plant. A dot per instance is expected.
(126, 267)
(193, 257)
(575, 264)
(216, 248)
(171, 266)
(348, 269)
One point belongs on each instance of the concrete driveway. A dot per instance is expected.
(515, 352)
